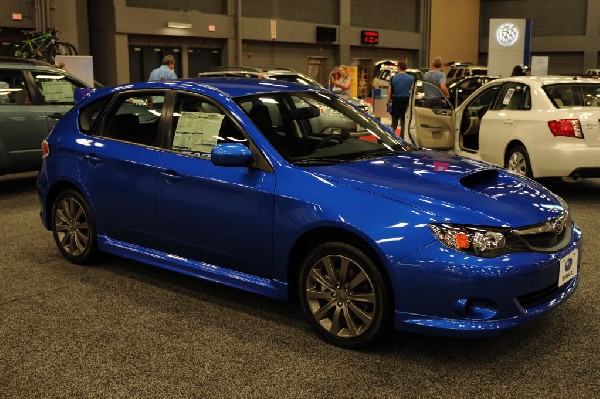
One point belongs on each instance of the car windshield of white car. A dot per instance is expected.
(318, 128)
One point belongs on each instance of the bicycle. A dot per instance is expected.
(45, 46)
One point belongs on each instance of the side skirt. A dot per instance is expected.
(247, 282)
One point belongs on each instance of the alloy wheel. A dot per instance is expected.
(72, 227)
(341, 296)
(517, 163)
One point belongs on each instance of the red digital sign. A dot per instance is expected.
(369, 37)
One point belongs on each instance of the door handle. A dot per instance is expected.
(509, 122)
(92, 158)
(428, 126)
(56, 115)
(170, 175)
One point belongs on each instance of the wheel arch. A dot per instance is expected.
(518, 143)
(320, 235)
(53, 193)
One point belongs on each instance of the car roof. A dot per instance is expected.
(233, 87)
(547, 80)
(12, 62)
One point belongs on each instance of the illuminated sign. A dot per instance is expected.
(507, 34)
(369, 37)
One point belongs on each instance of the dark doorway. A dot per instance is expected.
(143, 59)
(202, 59)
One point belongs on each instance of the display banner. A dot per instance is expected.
(509, 45)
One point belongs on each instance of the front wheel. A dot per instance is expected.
(344, 295)
(73, 227)
(517, 161)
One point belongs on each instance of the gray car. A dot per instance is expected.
(33, 97)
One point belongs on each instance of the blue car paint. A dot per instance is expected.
(387, 202)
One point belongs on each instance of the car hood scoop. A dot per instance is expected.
(456, 189)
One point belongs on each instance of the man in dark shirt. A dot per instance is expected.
(398, 94)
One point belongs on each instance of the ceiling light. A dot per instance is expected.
(179, 25)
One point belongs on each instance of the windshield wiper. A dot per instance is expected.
(318, 161)
(376, 154)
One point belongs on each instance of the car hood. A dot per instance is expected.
(453, 188)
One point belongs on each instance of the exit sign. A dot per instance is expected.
(369, 37)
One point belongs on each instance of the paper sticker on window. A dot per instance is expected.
(197, 131)
(507, 96)
(58, 91)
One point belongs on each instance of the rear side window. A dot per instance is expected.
(574, 95)
(514, 97)
(199, 124)
(88, 115)
(135, 118)
(55, 88)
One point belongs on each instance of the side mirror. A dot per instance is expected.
(231, 154)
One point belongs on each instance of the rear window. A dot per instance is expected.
(574, 95)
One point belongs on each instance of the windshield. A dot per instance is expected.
(318, 128)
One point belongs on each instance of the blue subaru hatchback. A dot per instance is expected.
(289, 191)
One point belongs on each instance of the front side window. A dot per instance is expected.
(13, 89)
(55, 88)
(135, 118)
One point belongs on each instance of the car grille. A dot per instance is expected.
(539, 297)
(544, 240)
(550, 236)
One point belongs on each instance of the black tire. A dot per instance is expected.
(59, 48)
(73, 227)
(344, 295)
(517, 161)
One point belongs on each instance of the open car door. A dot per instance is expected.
(431, 122)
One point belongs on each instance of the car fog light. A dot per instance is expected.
(475, 308)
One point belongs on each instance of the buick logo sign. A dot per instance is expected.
(507, 34)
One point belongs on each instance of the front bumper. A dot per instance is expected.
(443, 292)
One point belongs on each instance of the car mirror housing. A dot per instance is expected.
(231, 154)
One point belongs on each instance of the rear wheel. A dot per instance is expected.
(517, 161)
(73, 227)
(344, 295)
(59, 48)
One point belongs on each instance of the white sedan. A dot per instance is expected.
(536, 126)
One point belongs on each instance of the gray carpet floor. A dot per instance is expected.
(125, 330)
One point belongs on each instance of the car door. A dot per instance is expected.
(430, 120)
(120, 167)
(471, 115)
(219, 215)
(22, 123)
(507, 114)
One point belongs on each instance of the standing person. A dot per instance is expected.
(398, 94)
(165, 71)
(434, 97)
(344, 82)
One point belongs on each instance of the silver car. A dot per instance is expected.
(33, 97)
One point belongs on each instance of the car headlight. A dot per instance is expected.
(477, 240)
